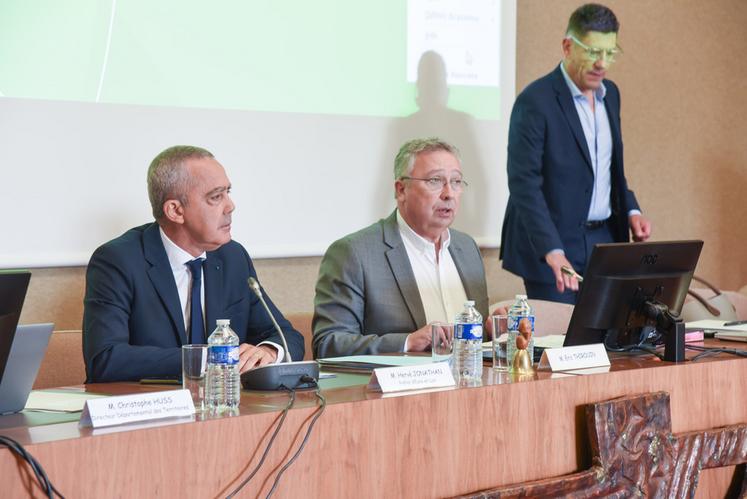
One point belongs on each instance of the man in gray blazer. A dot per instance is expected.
(380, 287)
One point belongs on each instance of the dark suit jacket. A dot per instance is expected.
(367, 300)
(550, 179)
(133, 326)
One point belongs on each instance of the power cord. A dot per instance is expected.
(704, 351)
(291, 401)
(709, 352)
(305, 379)
(643, 346)
(317, 414)
(41, 476)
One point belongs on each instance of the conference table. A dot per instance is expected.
(509, 429)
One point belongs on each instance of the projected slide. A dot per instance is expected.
(321, 56)
(305, 103)
(465, 34)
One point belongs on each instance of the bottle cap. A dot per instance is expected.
(223, 322)
(521, 297)
(469, 303)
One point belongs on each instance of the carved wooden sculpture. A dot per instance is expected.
(636, 455)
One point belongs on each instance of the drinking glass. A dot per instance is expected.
(194, 372)
(442, 341)
(500, 328)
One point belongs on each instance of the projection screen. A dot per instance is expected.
(304, 103)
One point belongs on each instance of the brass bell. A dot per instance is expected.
(521, 363)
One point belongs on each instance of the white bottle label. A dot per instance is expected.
(468, 331)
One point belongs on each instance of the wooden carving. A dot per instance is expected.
(636, 455)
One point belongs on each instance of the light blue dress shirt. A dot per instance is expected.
(596, 126)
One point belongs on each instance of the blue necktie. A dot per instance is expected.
(196, 324)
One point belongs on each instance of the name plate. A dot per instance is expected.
(110, 411)
(577, 357)
(395, 379)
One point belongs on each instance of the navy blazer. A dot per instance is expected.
(133, 325)
(550, 179)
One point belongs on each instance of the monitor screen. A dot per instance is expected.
(625, 285)
(13, 285)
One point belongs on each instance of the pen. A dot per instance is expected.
(572, 273)
(735, 323)
(160, 381)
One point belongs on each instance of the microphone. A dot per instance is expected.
(287, 374)
(254, 286)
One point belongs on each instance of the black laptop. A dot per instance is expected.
(13, 287)
(26, 355)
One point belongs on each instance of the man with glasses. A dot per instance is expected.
(565, 164)
(380, 287)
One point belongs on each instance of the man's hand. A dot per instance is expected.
(445, 336)
(562, 281)
(489, 322)
(251, 356)
(420, 340)
(640, 226)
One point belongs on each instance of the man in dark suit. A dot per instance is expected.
(565, 164)
(164, 284)
(380, 287)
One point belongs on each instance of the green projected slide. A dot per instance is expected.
(342, 57)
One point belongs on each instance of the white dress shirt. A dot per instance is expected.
(178, 259)
(440, 287)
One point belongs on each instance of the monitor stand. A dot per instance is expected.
(660, 322)
(670, 326)
(674, 342)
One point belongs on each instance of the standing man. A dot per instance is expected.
(164, 284)
(565, 164)
(380, 287)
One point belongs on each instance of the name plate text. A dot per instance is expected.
(576, 357)
(394, 379)
(110, 411)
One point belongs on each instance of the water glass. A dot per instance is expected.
(194, 373)
(442, 341)
(500, 328)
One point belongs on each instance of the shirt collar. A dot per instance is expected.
(599, 94)
(177, 256)
(418, 241)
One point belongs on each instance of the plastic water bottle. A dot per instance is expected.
(468, 343)
(519, 310)
(223, 381)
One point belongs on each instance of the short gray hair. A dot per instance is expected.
(168, 178)
(409, 151)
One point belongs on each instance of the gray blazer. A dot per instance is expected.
(367, 300)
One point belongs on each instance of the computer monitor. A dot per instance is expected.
(630, 289)
(13, 286)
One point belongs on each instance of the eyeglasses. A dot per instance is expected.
(595, 54)
(437, 183)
